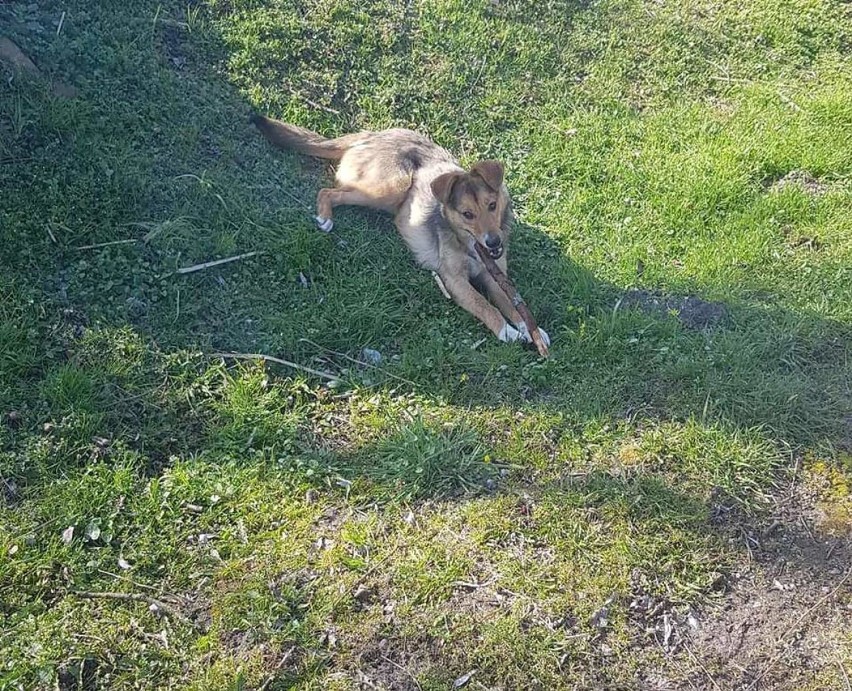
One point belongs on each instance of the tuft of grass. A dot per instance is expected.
(419, 460)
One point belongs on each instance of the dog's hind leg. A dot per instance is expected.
(330, 197)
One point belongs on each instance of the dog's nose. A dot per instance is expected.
(492, 241)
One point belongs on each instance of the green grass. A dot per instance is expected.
(644, 144)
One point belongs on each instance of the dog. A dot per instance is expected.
(439, 209)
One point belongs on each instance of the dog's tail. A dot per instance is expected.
(303, 141)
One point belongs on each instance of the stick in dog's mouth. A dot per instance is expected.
(512, 293)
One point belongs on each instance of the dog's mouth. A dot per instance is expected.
(495, 253)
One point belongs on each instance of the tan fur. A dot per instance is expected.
(439, 209)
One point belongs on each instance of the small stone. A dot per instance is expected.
(373, 357)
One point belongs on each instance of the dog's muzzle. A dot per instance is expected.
(494, 245)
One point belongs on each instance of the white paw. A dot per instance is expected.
(508, 334)
(324, 224)
(526, 337)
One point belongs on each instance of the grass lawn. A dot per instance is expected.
(665, 503)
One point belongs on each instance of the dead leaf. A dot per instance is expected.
(463, 679)
(122, 564)
(668, 629)
(68, 535)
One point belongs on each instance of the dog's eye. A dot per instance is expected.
(468, 215)
(492, 206)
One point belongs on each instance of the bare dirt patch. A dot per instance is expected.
(690, 310)
(786, 616)
(801, 179)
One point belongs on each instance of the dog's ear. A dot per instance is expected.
(442, 186)
(491, 172)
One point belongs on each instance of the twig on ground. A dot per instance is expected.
(279, 361)
(271, 676)
(311, 103)
(105, 244)
(795, 627)
(119, 577)
(404, 669)
(698, 662)
(473, 586)
(216, 262)
(135, 597)
(843, 672)
(358, 362)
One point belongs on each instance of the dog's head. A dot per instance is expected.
(477, 203)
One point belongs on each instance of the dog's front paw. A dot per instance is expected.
(526, 336)
(324, 224)
(508, 334)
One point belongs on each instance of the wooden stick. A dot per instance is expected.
(105, 244)
(286, 363)
(513, 295)
(217, 262)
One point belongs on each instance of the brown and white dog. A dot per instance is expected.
(440, 209)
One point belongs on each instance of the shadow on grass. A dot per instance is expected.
(618, 357)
